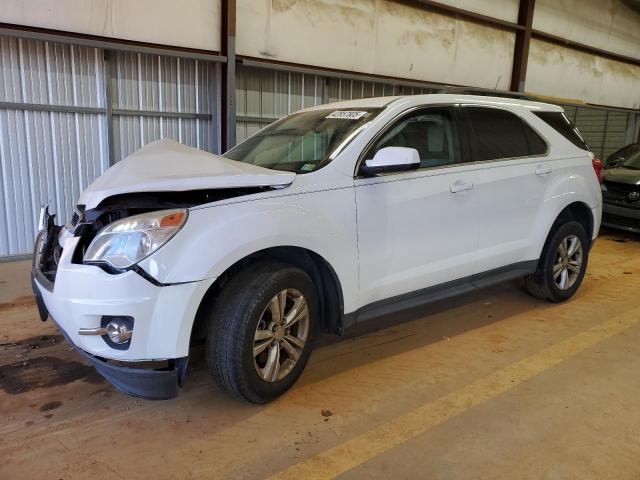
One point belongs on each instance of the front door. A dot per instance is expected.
(417, 229)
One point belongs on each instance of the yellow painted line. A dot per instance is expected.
(368, 445)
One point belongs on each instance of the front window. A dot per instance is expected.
(431, 131)
(305, 141)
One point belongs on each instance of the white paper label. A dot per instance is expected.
(346, 115)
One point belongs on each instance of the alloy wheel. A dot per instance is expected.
(568, 262)
(281, 335)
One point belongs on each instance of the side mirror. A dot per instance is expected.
(391, 159)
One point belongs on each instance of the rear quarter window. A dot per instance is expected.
(561, 124)
(501, 134)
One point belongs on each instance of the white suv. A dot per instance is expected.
(326, 218)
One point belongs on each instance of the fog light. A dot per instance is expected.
(118, 333)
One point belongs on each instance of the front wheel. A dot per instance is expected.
(562, 265)
(261, 331)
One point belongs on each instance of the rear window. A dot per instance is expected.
(626, 151)
(502, 134)
(559, 122)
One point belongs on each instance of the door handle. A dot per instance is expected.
(461, 186)
(543, 170)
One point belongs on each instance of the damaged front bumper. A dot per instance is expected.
(79, 297)
(150, 383)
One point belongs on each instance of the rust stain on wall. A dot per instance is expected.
(591, 78)
(352, 12)
(490, 39)
(620, 69)
(428, 29)
(543, 53)
(424, 37)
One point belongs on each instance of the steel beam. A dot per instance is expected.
(43, 107)
(228, 87)
(467, 15)
(486, 20)
(335, 73)
(521, 48)
(581, 47)
(109, 86)
(157, 113)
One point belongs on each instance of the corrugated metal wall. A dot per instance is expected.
(264, 95)
(54, 128)
(163, 97)
(54, 123)
(47, 156)
(605, 130)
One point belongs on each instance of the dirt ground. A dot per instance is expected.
(491, 385)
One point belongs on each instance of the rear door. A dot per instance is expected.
(417, 229)
(515, 174)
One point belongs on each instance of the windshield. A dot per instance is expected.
(303, 142)
(632, 162)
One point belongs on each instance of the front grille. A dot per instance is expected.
(619, 193)
(621, 188)
(621, 221)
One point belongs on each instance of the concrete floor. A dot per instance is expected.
(491, 385)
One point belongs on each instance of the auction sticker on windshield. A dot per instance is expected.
(346, 114)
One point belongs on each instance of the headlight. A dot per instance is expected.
(125, 242)
(603, 187)
(65, 232)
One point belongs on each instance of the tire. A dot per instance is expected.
(250, 300)
(559, 276)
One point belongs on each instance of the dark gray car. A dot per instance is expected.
(617, 157)
(621, 195)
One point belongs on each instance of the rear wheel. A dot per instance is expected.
(562, 265)
(261, 331)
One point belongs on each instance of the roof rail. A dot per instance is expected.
(486, 92)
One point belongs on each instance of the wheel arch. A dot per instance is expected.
(324, 277)
(576, 210)
(581, 213)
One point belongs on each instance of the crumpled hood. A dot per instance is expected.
(166, 165)
(622, 175)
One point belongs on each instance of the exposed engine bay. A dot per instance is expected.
(87, 223)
